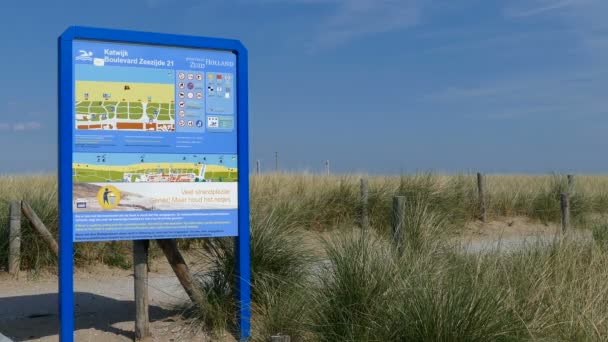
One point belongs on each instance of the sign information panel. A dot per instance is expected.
(155, 142)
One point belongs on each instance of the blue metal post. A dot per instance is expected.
(66, 247)
(242, 241)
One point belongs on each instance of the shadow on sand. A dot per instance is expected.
(36, 316)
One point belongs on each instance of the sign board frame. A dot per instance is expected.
(66, 103)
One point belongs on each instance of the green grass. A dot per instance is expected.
(365, 290)
(324, 202)
(319, 203)
(278, 258)
(359, 287)
(371, 293)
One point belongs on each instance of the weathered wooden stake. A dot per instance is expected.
(14, 254)
(257, 167)
(39, 226)
(565, 206)
(570, 184)
(178, 264)
(364, 203)
(482, 196)
(140, 264)
(398, 220)
(276, 161)
(280, 338)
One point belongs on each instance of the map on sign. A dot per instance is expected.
(154, 142)
(124, 99)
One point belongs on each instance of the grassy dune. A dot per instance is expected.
(321, 203)
(361, 288)
(356, 286)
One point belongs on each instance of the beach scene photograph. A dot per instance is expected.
(304, 171)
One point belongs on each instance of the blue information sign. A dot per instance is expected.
(153, 144)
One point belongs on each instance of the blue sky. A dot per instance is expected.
(378, 86)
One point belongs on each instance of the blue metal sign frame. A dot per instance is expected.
(66, 107)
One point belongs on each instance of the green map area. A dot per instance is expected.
(93, 111)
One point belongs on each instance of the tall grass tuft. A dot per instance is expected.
(447, 297)
(279, 259)
(559, 291)
(368, 292)
(599, 232)
(422, 226)
(283, 310)
(356, 287)
(540, 292)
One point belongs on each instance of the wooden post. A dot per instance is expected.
(398, 220)
(280, 338)
(39, 226)
(327, 167)
(570, 184)
(565, 206)
(257, 167)
(482, 196)
(178, 264)
(364, 204)
(14, 253)
(276, 161)
(140, 264)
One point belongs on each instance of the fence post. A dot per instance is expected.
(565, 206)
(570, 184)
(398, 220)
(14, 254)
(257, 167)
(140, 264)
(364, 203)
(276, 161)
(280, 338)
(482, 196)
(178, 264)
(39, 226)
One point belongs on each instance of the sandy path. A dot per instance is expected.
(104, 296)
(104, 307)
(511, 234)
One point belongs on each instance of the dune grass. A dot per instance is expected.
(365, 289)
(280, 261)
(321, 202)
(359, 287)
(318, 203)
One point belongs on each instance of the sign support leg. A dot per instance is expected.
(243, 284)
(66, 288)
(140, 275)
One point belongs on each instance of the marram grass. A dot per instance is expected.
(319, 203)
(364, 289)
